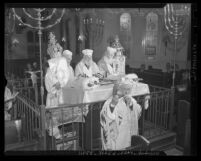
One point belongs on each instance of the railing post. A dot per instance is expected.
(36, 93)
(172, 93)
(42, 122)
(143, 115)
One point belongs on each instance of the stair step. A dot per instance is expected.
(161, 137)
(30, 146)
(164, 146)
(163, 142)
(174, 151)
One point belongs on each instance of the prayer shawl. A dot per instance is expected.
(52, 95)
(82, 69)
(118, 126)
(58, 72)
(71, 76)
(106, 66)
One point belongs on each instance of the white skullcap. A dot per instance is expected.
(125, 87)
(87, 52)
(111, 50)
(67, 53)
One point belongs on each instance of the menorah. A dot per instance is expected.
(175, 17)
(93, 30)
(39, 19)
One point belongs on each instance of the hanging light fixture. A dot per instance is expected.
(176, 18)
(39, 19)
(63, 39)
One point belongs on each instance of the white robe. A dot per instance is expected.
(82, 69)
(118, 126)
(106, 66)
(57, 72)
(71, 76)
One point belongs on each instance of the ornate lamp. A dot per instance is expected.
(93, 29)
(119, 58)
(175, 17)
(39, 19)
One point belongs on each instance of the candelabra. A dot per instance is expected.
(93, 30)
(175, 17)
(39, 19)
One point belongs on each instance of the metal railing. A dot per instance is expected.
(80, 131)
(77, 127)
(25, 87)
(157, 118)
(28, 112)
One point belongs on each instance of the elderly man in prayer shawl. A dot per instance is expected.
(87, 67)
(57, 74)
(68, 55)
(119, 118)
(105, 64)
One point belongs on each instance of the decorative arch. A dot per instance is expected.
(151, 38)
(125, 32)
(125, 22)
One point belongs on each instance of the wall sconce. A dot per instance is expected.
(15, 42)
(63, 39)
(81, 37)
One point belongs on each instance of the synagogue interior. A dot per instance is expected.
(98, 78)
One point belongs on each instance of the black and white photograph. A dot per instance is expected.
(98, 79)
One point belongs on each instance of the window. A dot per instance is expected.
(125, 32)
(151, 37)
(125, 22)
